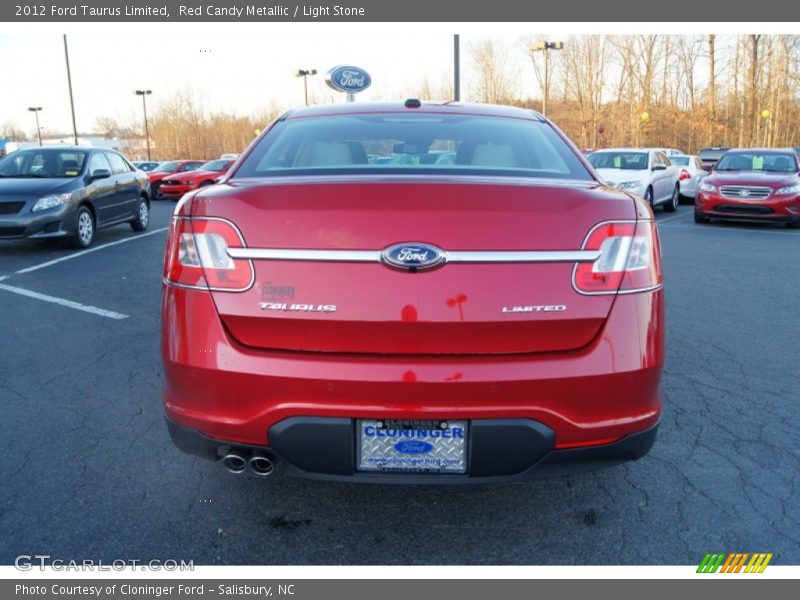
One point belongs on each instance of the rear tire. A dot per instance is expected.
(206, 184)
(84, 229)
(648, 197)
(700, 218)
(675, 200)
(142, 219)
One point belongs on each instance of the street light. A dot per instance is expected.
(35, 110)
(144, 94)
(304, 73)
(545, 47)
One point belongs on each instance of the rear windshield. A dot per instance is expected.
(757, 161)
(679, 160)
(628, 161)
(49, 164)
(418, 144)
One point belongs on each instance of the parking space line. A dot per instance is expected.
(671, 218)
(84, 252)
(62, 302)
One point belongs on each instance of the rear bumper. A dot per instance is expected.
(500, 451)
(238, 395)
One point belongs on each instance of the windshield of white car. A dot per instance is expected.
(679, 160)
(627, 161)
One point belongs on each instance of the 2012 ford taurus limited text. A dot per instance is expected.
(407, 292)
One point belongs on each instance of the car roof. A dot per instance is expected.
(65, 147)
(765, 150)
(428, 107)
(627, 150)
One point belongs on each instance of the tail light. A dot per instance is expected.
(629, 261)
(684, 175)
(197, 255)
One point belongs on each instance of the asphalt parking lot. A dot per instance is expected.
(89, 470)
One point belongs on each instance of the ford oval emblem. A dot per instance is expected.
(413, 256)
(413, 447)
(348, 79)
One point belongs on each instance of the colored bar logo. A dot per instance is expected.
(735, 562)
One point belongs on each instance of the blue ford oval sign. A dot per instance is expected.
(413, 256)
(413, 447)
(348, 79)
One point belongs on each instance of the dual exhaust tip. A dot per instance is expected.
(260, 463)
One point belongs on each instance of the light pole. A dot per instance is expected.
(545, 47)
(304, 73)
(456, 67)
(35, 110)
(71, 98)
(144, 94)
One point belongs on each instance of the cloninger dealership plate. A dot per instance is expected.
(416, 446)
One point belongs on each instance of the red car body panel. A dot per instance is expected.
(446, 343)
(454, 310)
(175, 185)
(231, 392)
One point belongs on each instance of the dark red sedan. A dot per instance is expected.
(351, 306)
(176, 185)
(752, 185)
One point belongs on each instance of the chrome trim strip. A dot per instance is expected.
(533, 256)
(308, 255)
(499, 256)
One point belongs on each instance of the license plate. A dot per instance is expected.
(416, 446)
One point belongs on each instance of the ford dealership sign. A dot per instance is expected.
(348, 79)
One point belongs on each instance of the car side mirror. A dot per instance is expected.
(659, 167)
(100, 174)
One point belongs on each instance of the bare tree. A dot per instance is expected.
(494, 83)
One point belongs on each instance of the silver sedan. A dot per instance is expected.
(690, 173)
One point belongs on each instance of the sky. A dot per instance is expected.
(244, 68)
(234, 69)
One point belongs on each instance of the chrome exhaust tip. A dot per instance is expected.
(234, 463)
(262, 465)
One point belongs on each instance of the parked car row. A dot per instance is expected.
(183, 175)
(69, 192)
(723, 183)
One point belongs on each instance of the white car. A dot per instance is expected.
(690, 173)
(643, 171)
(670, 152)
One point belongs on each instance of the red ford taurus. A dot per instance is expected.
(407, 292)
(752, 185)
